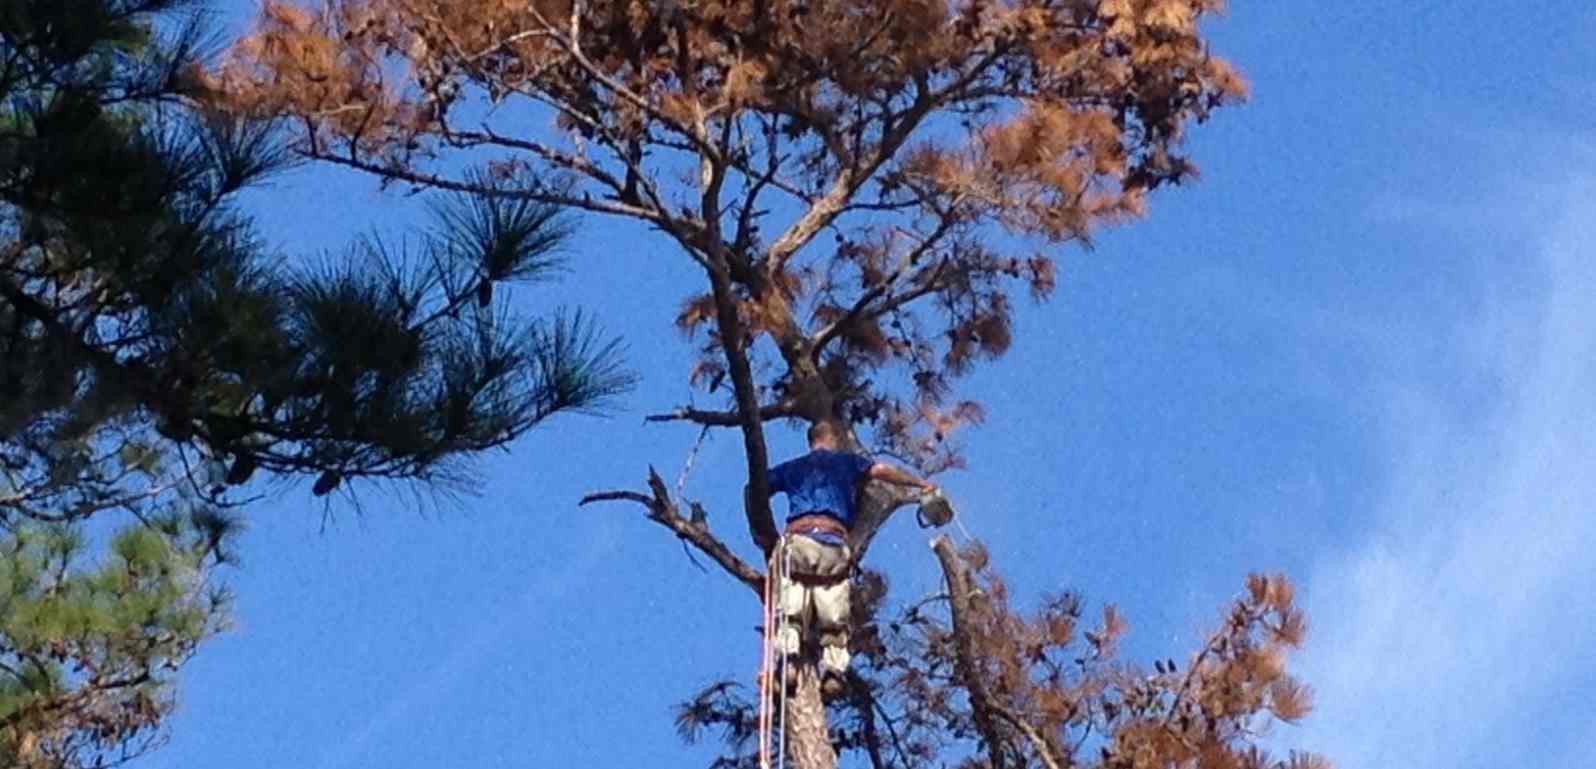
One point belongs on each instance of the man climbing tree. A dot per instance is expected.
(860, 185)
(813, 559)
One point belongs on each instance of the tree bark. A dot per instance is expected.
(761, 523)
(987, 709)
(877, 502)
(966, 659)
(808, 738)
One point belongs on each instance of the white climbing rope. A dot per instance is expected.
(786, 659)
(767, 630)
(687, 467)
(773, 663)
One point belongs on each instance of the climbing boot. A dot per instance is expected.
(832, 685)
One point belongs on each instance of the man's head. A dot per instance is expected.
(824, 435)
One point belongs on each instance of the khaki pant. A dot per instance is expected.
(815, 604)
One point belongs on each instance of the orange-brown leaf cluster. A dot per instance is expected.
(1053, 693)
(845, 161)
(964, 679)
(862, 184)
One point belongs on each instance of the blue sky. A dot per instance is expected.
(1361, 350)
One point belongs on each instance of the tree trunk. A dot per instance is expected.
(808, 739)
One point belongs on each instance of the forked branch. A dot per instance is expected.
(710, 418)
(693, 530)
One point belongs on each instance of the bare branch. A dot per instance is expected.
(782, 410)
(659, 218)
(848, 182)
(617, 496)
(572, 46)
(694, 530)
(1038, 743)
(909, 260)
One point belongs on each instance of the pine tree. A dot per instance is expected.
(133, 295)
(862, 186)
(88, 650)
(155, 357)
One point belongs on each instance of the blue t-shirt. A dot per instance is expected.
(821, 481)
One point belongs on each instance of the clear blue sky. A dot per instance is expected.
(1362, 350)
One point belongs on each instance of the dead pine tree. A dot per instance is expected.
(863, 188)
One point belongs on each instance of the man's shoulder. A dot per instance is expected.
(831, 453)
(827, 460)
(799, 463)
(847, 459)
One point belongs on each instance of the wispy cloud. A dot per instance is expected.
(466, 652)
(1450, 635)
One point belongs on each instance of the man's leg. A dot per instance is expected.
(823, 609)
(831, 624)
(791, 615)
(794, 604)
(831, 611)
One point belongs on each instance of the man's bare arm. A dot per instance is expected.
(886, 473)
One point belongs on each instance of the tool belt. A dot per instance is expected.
(817, 522)
(815, 561)
(815, 580)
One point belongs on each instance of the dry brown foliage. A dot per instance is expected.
(1044, 689)
(844, 171)
(865, 185)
